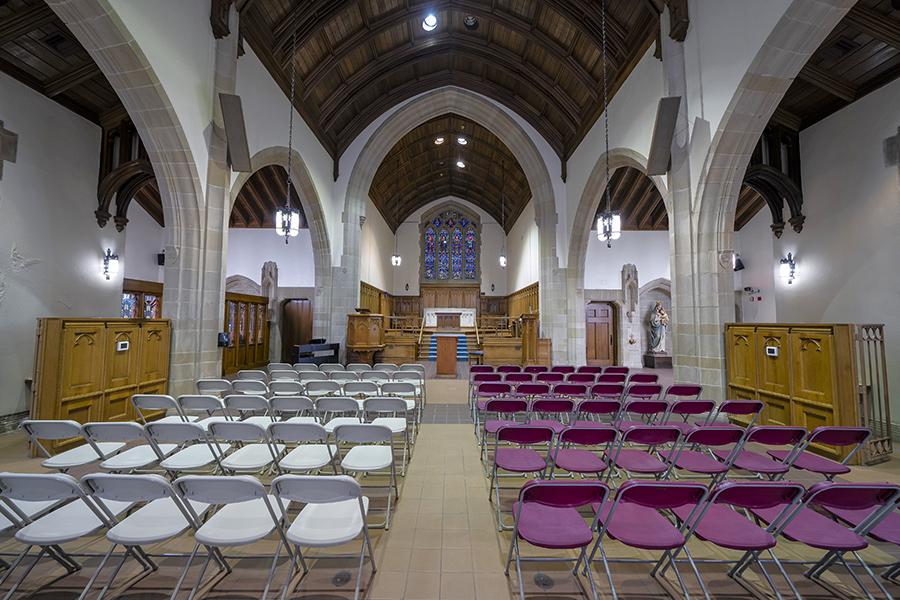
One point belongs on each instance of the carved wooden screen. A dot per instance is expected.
(247, 325)
(451, 244)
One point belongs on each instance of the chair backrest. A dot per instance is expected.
(839, 436)
(486, 377)
(509, 369)
(237, 431)
(247, 403)
(336, 404)
(375, 375)
(564, 494)
(589, 369)
(535, 369)
(587, 378)
(562, 369)
(252, 375)
(660, 494)
(142, 402)
(316, 489)
(493, 389)
(573, 390)
(323, 387)
(309, 376)
(775, 435)
(402, 375)
(643, 391)
(284, 387)
(853, 496)
(650, 435)
(329, 367)
(128, 488)
(600, 407)
(283, 375)
(215, 387)
(757, 494)
(713, 435)
(525, 435)
(402, 388)
(306, 367)
(607, 390)
(518, 377)
(549, 377)
(588, 436)
(480, 369)
(279, 366)
(685, 408)
(200, 402)
(343, 376)
(751, 408)
(643, 378)
(297, 432)
(616, 370)
(683, 391)
(532, 389)
(612, 378)
(291, 404)
(386, 367)
(37, 487)
(113, 432)
(385, 404)
(51, 429)
(413, 367)
(506, 406)
(553, 405)
(175, 432)
(360, 387)
(359, 367)
(645, 408)
(219, 489)
(364, 433)
(250, 386)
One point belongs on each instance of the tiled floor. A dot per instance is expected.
(443, 543)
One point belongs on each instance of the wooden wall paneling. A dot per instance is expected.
(122, 370)
(525, 300)
(451, 296)
(774, 371)
(740, 358)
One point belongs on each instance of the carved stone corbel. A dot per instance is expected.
(218, 18)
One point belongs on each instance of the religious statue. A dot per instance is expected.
(659, 321)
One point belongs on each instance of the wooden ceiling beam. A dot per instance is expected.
(306, 17)
(879, 26)
(833, 84)
(584, 16)
(25, 21)
(786, 118)
(70, 79)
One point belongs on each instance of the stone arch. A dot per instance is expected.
(660, 283)
(479, 109)
(315, 216)
(581, 231)
(188, 279)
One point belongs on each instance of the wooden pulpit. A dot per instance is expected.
(365, 337)
(446, 355)
(529, 338)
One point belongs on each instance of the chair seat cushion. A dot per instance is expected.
(68, 522)
(30, 508)
(307, 457)
(192, 457)
(519, 460)
(639, 527)
(137, 457)
(156, 521)
(638, 461)
(576, 460)
(81, 455)
(811, 462)
(251, 457)
(814, 529)
(551, 526)
(239, 523)
(751, 461)
(332, 524)
(728, 528)
(367, 458)
(695, 462)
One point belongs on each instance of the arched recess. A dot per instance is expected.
(312, 208)
(581, 231)
(481, 110)
(195, 321)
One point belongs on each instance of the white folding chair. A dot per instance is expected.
(255, 453)
(84, 454)
(294, 409)
(343, 376)
(196, 452)
(377, 376)
(405, 390)
(245, 515)
(279, 366)
(317, 389)
(372, 451)
(415, 378)
(252, 387)
(284, 387)
(386, 367)
(361, 390)
(252, 409)
(78, 518)
(308, 376)
(153, 402)
(161, 518)
(334, 513)
(359, 367)
(337, 410)
(391, 413)
(135, 457)
(213, 387)
(329, 367)
(252, 375)
(206, 405)
(301, 367)
(283, 375)
(312, 451)
(413, 367)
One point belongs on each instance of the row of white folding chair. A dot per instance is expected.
(335, 511)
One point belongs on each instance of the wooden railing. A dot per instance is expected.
(421, 330)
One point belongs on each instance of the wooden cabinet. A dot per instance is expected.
(88, 369)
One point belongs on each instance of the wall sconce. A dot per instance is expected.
(110, 264)
(503, 260)
(736, 262)
(396, 259)
(788, 268)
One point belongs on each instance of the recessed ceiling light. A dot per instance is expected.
(438, 141)
(460, 164)
(429, 22)
(462, 141)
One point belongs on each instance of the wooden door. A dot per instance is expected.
(247, 325)
(600, 334)
(296, 325)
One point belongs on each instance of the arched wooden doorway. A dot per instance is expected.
(600, 333)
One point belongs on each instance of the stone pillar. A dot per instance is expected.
(632, 328)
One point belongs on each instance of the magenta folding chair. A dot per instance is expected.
(607, 391)
(523, 459)
(616, 371)
(508, 411)
(643, 378)
(571, 452)
(535, 369)
(479, 378)
(634, 519)
(720, 524)
(640, 412)
(681, 410)
(577, 391)
(887, 530)
(484, 392)
(683, 391)
(551, 378)
(480, 369)
(760, 464)
(517, 378)
(692, 454)
(643, 391)
(808, 526)
(644, 462)
(612, 378)
(529, 390)
(585, 378)
(565, 369)
(589, 369)
(546, 516)
(840, 437)
(542, 408)
(509, 369)
(739, 408)
(590, 412)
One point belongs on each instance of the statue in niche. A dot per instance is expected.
(630, 290)
(659, 321)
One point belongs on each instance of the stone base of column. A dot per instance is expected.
(657, 361)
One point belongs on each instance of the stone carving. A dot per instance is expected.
(630, 290)
(659, 321)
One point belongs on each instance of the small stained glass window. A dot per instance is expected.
(129, 305)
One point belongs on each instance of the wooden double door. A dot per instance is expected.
(247, 325)
(600, 334)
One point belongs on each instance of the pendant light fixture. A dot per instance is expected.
(503, 218)
(287, 218)
(396, 259)
(609, 223)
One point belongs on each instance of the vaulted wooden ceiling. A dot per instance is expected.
(262, 194)
(417, 171)
(357, 58)
(638, 201)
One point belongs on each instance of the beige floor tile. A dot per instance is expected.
(456, 560)
(423, 586)
(457, 586)
(427, 538)
(388, 585)
(425, 560)
(492, 586)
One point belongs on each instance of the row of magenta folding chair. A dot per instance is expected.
(219, 512)
(543, 369)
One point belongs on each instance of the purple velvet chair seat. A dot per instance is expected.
(888, 530)
(493, 425)
(639, 527)
(814, 529)
(575, 460)
(728, 528)
(638, 461)
(552, 526)
(811, 462)
(695, 462)
(520, 460)
(556, 426)
(753, 462)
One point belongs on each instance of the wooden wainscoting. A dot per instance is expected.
(525, 300)
(450, 296)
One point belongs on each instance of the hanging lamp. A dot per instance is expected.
(287, 218)
(396, 259)
(503, 218)
(609, 223)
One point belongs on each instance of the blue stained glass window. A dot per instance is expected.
(129, 305)
(471, 256)
(456, 258)
(429, 253)
(443, 255)
(450, 247)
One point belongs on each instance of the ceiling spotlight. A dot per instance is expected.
(462, 141)
(471, 22)
(438, 141)
(429, 22)
(460, 164)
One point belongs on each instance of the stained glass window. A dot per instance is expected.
(151, 306)
(129, 305)
(450, 247)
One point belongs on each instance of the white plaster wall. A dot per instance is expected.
(523, 248)
(756, 245)
(248, 249)
(848, 251)
(266, 119)
(144, 239)
(409, 244)
(647, 250)
(50, 244)
(376, 248)
(177, 39)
